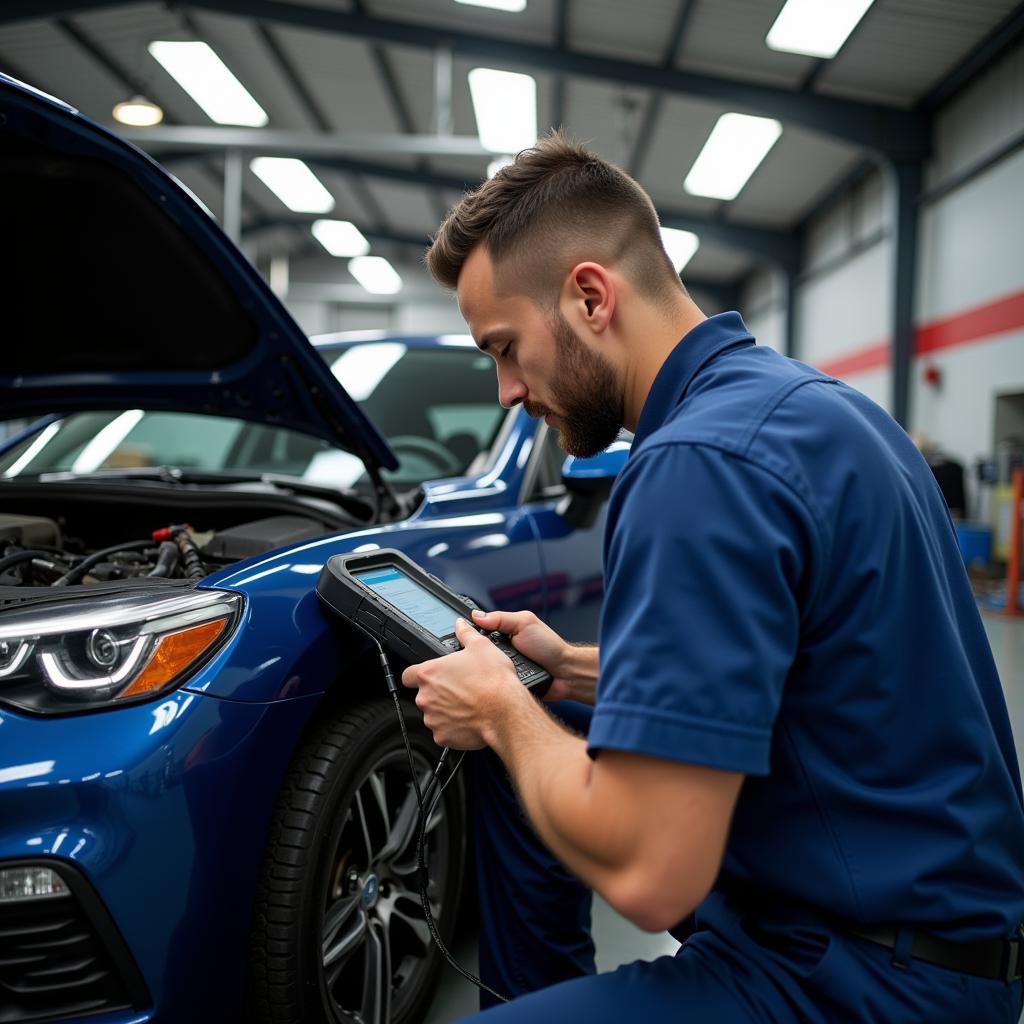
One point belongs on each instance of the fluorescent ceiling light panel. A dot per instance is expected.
(512, 6)
(680, 246)
(375, 274)
(505, 105)
(817, 28)
(207, 79)
(293, 183)
(340, 237)
(736, 146)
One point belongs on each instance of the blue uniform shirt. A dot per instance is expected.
(785, 598)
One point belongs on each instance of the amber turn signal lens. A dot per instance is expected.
(174, 653)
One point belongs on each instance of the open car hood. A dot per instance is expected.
(120, 291)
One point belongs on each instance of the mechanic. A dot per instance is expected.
(799, 744)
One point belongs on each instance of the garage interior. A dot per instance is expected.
(877, 237)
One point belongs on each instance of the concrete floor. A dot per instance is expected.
(619, 942)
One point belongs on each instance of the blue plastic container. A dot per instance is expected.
(975, 543)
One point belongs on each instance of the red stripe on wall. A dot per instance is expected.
(968, 327)
(869, 358)
(1006, 314)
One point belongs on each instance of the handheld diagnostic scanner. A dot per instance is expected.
(409, 611)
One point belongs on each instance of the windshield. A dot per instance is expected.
(436, 406)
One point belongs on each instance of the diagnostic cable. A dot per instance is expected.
(425, 814)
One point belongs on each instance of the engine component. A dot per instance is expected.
(75, 575)
(29, 531)
(194, 568)
(16, 557)
(261, 535)
(31, 554)
(166, 559)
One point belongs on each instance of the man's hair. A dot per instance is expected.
(556, 205)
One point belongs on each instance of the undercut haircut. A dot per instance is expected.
(556, 205)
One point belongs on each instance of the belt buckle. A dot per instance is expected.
(1013, 961)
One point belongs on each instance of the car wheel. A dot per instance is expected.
(339, 933)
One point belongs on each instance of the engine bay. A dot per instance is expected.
(40, 551)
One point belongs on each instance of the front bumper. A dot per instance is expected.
(163, 808)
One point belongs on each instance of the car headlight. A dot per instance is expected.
(99, 652)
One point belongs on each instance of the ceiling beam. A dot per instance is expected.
(723, 292)
(132, 83)
(315, 113)
(372, 234)
(822, 64)
(400, 108)
(305, 145)
(645, 135)
(1000, 39)
(292, 76)
(771, 244)
(888, 129)
(344, 164)
(33, 10)
(898, 133)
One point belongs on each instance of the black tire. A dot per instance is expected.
(325, 950)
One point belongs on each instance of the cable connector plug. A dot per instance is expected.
(389, 675)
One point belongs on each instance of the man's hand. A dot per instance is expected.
(573, 670)
(464, 694)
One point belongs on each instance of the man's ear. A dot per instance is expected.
(592, 295)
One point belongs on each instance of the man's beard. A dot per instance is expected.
(586, 391)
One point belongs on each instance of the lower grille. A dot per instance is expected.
(62, 957)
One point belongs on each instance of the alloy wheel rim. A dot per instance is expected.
(375, 941)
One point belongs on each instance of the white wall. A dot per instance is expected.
(763, 304)
(844, 310)
(315, 316)
(970, 256)
(423, 316)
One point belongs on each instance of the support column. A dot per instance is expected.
(788, 275)
(233, 194)
(279, 276)
(443, 91)
(905, 189)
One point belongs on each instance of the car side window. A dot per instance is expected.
(437, 405)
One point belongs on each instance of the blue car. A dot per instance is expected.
(200, 771)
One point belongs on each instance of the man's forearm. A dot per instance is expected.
(579, 671)
(552, 773)
(607, 820)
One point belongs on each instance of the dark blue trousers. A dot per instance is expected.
(736, 966)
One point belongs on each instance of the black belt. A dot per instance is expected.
(995, 959)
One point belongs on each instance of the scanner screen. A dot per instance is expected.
(412, 600)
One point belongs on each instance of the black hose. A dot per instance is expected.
(25, 555)
(75, 574)
(194, 568)
(166, 559)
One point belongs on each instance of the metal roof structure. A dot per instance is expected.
(352, 87)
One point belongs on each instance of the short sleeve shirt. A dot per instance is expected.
(785, 598)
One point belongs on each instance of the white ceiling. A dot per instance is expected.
(899, 52)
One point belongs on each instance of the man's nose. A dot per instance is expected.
(511, 390)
